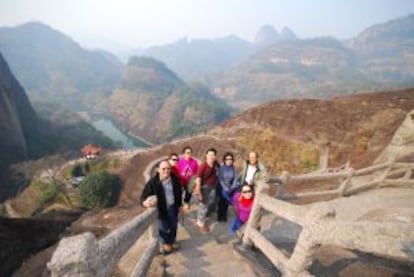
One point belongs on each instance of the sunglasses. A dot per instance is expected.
(174, 160)
(246, 191)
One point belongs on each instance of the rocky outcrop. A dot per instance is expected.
(402, 143)
(18, 119)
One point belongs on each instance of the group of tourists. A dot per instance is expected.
(215, 186)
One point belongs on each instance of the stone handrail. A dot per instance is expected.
(319, 227)
(84, 255)
(350, 181)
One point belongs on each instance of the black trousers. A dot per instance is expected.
(187, 196)
(222, 206)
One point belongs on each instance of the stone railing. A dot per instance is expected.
(84, 255)
(350, 181)
(319, 227)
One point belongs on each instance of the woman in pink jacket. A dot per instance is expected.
(187, 167)
(243, 203)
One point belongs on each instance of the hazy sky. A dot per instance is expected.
(122, 24)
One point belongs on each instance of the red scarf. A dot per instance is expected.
(245, 202)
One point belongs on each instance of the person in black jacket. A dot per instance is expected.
(164, 191)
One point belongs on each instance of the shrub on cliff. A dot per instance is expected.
(100, 189)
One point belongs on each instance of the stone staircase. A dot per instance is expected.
(205, 255)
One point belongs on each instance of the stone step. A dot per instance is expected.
(207, 259)
(197, 257)
(199, 267)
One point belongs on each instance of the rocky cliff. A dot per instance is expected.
(18, 119)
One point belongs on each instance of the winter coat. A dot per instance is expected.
(155, 187)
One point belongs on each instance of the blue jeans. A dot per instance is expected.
(235, 225)
(168, 227)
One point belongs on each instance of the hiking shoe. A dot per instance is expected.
(166, 249)
(175, 246)
(203, 229)
(239, 234)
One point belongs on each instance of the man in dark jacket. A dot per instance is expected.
(164, 191)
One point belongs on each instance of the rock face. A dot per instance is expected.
(402, 143)
(18, 119)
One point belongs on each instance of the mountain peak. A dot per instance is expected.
(149, 74)
(268, 35)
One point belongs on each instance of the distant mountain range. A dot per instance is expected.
(380, 57)
(278, 65)
(52, 66)
(49, 63)
(200, 59)
(204, 59)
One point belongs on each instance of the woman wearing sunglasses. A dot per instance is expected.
(243, 203)
(227, 177)
(172, 160)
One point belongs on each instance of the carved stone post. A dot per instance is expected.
(284, 178)
(76, 256)
(346, 183)
(255, 214)
(307, 244)
(324, 157)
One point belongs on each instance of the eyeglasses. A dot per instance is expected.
(174, 160)
(165, 168)
(187, 152)
(246, 191)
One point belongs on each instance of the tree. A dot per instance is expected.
(76, 170)
(100, 189)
